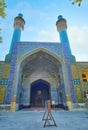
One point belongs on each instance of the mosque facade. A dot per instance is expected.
(34, 72)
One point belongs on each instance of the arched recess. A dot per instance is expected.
(40, 91)
(40, 64)
(85, 74)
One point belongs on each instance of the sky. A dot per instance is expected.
(40, 24)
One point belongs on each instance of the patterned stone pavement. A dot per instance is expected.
(32, 120)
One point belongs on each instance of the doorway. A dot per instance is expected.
(40, 91)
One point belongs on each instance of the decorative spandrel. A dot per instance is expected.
(27, 47)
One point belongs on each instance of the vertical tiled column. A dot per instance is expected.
(67, 59)
(10, 87)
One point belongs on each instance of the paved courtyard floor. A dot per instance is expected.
(32, 120)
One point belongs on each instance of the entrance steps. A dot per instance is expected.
(38, 109)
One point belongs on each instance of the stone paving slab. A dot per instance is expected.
(32, 120)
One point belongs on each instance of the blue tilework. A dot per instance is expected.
(9, 90)
(25, 47)
(69, 71)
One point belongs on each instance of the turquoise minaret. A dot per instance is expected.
(62, 29)
(18, 26)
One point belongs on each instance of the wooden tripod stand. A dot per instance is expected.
(48, 118)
